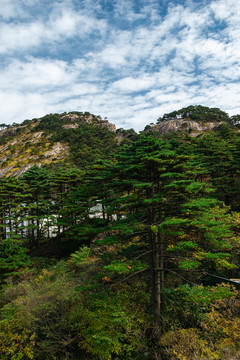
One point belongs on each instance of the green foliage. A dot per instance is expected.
(186, 344)
(182, 245)
(206, 326)
(222, 327)
(235, 119)
(81, 258)
(47, 317)
(114, 327)
(186, 306)
(189, 264)
(197, 113)
(13, 258)
(49, 123)
(87, 143)
(43, 307)
(203, 239)
(123, 267)
(16, 342)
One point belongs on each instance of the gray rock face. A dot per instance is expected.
(108, 125)
(193, 127)
(8, 132)
(88, 119)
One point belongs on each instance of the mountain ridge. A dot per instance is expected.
(79, 139)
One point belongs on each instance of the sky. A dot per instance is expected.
(129, 61)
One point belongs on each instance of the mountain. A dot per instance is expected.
(79, 139)
(194, 119)
(73, 138)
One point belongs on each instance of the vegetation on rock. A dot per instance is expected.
(197, 113)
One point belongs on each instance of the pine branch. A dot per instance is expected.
(138, 272)
(173, 272)
(146, 252)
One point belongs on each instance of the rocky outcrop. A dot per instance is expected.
(57, 150)
(108, 125)
(100, 123)
(76, 120)
(190, 126)
(8, 132)
(15, 171)
(70, 126)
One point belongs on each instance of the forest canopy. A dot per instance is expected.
(197, 113)
(129, 252)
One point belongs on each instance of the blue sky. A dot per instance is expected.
(128, 60)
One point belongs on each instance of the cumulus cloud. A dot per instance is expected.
(63, 23)
(127, 60)
(35, 74)
(130, 84)
(10, 9)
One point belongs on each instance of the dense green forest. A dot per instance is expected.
(121, 253)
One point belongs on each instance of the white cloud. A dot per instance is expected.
(10, 9)
(227, 10)
(62, 24)
(114, 56)
(131, 63)
(37, 74)
(14, 105)
(22, 36)
(125, 10)
(130, 84)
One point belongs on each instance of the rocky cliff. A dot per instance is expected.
(75, 120)
(184, 125)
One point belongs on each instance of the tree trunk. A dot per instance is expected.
(161, 260)
(103, 212)
(157, 278)
(2, 237)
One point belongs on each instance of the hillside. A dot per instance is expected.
(109, 248)
(72, 138)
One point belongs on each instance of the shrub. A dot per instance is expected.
(186, 344)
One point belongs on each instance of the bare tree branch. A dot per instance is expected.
(173, 272)
(146, 252)
(138, 272)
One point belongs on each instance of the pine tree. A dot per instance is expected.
(13, 197)
(39, 187)
(215, 155)
(153, 187)
(13, 258)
